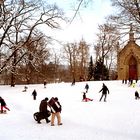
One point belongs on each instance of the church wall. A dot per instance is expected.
(131, 49)
(138, 70)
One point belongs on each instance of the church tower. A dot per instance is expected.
(129, 60)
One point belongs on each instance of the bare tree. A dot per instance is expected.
(127, 13)
(79, 4)
(106, 44)
(18, 24)
(83, 58)
(76, 54)
(70, 53)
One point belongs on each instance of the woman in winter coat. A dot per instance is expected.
(3, 105)
(104, 92)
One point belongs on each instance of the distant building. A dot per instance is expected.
(129, 60)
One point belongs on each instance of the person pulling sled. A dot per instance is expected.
(43, 113)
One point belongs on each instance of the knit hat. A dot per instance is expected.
(46, 99)
(56, 99)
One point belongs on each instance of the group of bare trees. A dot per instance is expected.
(77, 57)
(22, 45)
(24, 52)
(111, 36)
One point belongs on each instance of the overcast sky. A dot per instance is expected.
(85, 24)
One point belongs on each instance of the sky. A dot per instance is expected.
(86, 22)
(116, 119)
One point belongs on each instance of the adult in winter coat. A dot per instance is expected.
(86, 87)
(56, 110)
(43, 108)
(104, 92)
(137, 95)
(3, 105)
(45, 83)
(34, 93)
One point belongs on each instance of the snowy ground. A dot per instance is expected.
(116, 119)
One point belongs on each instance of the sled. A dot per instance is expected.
(51, 101)
(53, 105)
(38, 116)
(4, 112)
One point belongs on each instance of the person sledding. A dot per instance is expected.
(3, 105)
(85, 99)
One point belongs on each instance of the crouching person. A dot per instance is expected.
(137, 95)
(55, 111)
(43, 110)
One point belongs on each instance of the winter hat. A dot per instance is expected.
(56, 99)
(46, 99)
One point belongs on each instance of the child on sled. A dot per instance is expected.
(85, 99)
(3, 105)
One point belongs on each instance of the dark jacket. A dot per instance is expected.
(104, 89)
(34, 93)
(87, 86)
(43, 106)
(84, 96)
(2, 102)
(137, 94)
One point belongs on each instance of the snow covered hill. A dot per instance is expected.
(116, 119)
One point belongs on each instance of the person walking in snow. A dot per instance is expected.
(55, 112)
(34, 93)
(86, 87)
(104, 90)
(137, 95)
(45, 83)
(3, 105)
(43, 108)
(73, 82)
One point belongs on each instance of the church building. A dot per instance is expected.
(129, 60)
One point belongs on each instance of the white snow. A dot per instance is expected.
(116, 119)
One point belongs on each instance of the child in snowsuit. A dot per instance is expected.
(34, 94)
(104, 92)
(85, 99)
(3, 105)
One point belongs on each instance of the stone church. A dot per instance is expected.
(129, 60)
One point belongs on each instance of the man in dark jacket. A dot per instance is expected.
(104, 92)
(3, 104)
(55, 110)
(43, 109)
